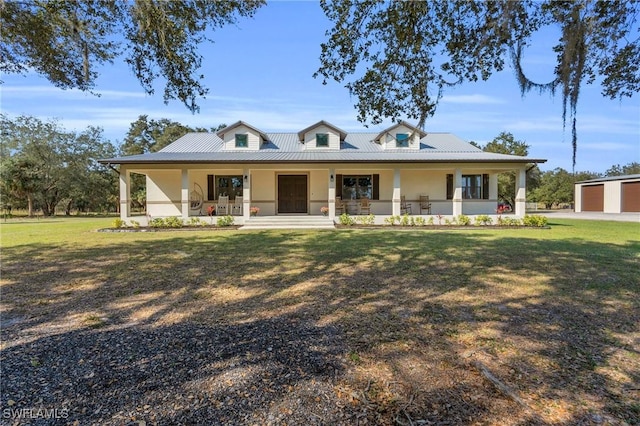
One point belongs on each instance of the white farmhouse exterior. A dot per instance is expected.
(300, 172)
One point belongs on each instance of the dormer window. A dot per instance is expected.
(322, 140)
(402, 140)
(242, 140)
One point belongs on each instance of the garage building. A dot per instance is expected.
(615, 194)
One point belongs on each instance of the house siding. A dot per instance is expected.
(310, 139)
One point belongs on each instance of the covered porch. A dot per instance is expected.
(303, 190)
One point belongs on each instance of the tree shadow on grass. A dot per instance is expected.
(551, 314)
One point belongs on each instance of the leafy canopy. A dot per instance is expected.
(397, 58)
(65, 41)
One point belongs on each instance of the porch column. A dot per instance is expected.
(493, 186)
(125, 192)
(395, 207)
(246, 194)
(521, 192)
(332, 193)
(457, 192)
(184, 194)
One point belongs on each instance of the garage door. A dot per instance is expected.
(631, 196)
(592, 198)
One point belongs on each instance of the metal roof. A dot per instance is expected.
(286, 147)
(610, 178)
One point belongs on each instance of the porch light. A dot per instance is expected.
(246, 178)
(331, 177)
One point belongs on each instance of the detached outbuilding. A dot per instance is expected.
(615, 194)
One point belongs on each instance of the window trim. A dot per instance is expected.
(483, 186)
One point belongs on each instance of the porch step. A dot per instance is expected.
(288, 222)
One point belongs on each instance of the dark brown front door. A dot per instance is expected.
(292, 194)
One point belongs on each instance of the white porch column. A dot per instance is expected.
(493, 186)
(457, 192)
(125, 191)
(184, 194)
(521, 192)
(332, 193)
(246, 194)
(395, 208)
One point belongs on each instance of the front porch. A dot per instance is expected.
(289, 191)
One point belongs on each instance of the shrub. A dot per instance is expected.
(404, 221)
(157, 222)
(225, 220)
(173, 222)
(347, 220)
(391, 220)
(118, 223)
(430, 220)
(420, 221)
(511, 221)
(483, 219)
(195, 221)
(463, 220)
(370, 219)
(135, 224)
(535, 220)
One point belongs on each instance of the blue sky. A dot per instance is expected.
(260, 71)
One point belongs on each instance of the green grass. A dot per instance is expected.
(555, 313)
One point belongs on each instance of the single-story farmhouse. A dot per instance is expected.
(399, 170)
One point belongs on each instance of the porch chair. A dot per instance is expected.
(236, 207)
(365, 206)
(425, 204)
(222, 208)
(340, 208)
(405, 208)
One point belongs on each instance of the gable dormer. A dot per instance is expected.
(321, 136)
(241, 136)
(400, 136)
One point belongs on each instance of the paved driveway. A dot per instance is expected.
(570, 214)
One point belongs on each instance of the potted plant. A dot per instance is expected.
(324, 210)
(254, 210)
(211, 210)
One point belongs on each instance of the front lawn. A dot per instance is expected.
(422, 320)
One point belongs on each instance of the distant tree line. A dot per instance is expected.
(44, 167)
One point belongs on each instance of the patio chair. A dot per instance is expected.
(236, 207)
(365, 206)
(340, 208)
(222, 208)
(425, 204)
(405, 208)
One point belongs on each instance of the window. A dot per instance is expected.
(402, 140)
(224, 185)
(322, 139)
(474, 187)
(358, 186)
(241, 140)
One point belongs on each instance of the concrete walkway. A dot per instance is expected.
(570, 214)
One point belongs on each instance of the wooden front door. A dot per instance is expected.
(292, 194)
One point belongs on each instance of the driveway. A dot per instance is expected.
(570, 214)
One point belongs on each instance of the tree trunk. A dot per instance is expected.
(30, 204)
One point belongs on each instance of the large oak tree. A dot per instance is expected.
(397, 58)
(66, 40)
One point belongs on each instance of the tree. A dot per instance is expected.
(65, 41)
(44, 164)
(557, 186)
(628, 169)
(506, 143)
(397, 58)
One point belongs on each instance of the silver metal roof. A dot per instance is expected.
(286, 147)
